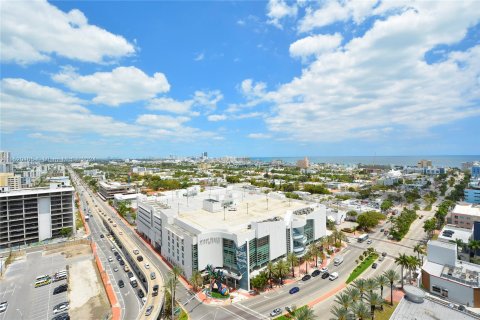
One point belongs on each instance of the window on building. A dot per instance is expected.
(183, 262)
(436, 289)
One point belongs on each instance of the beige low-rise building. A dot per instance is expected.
(464, 215)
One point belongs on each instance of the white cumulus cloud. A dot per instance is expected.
(121, 85)
(216, 117)
(259, 136)
(315, 45)
(278, 9)
(32, 31)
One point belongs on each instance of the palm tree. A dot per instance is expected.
(354, 293)
(392, 276)
(419, 249)
(360, 284)
(382, 281)
(281, 269)
(340, 313)
(307, 256)
(361, 310)
(374, 299)
(171, 286)
(196, 280)
(371, 284)
(305, 313)
(175, 273)
(460, 244)
(325, 243)
(403, 261)
(271, 271)
(344, 299)
(341, 236)
(334, 234)
(292, 260)
(315, 251)
(413, 263)
(474, 245)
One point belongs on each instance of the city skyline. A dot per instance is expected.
(243, 79)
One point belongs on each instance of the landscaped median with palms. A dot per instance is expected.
(361, 300)
(366, 260)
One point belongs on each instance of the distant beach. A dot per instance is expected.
(440, 161)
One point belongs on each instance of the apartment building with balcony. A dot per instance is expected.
(464, 215)
(33, 215)
(107, 190)
(234, 229)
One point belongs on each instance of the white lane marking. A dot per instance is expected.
(251, 311)
(236, 315)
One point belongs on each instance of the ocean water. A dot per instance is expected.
(440, 161)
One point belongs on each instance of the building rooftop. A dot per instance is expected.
(27, 191)
(451, 233)
(427, 310)
(247, 207)
(467, 209)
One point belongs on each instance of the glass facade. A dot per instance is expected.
(259, 252)
(229, 255)
(195, 257)
(308, 231)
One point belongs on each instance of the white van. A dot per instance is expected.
(333, 276)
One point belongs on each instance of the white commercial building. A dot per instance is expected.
(33, 215)
(446, 276)
(234, 229)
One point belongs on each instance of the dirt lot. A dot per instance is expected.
(72, 251)
(88, 299)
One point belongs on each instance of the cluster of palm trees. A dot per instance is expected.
(360, 300)
(472, 245)
(171, 288)
(408, 262)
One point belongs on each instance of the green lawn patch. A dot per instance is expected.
(289, 316)
(183, 316)
(362, 267)
(386, 313)
(217, 295)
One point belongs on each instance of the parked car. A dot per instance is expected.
(324, 269)
(381, 230)
(306, 277)
(62, 316)
(102, 236)
(60, 307)
(115, 269)
(461, 308)
(110, 259)
(139, 258)
(3, 306)
(289, 308)
(152, 275)
(140, 293)
(325, 275)
(384, 254)
(60, 289)
(122, 263)
(294, 290)
(276, 312)
(333, 276)
(149, 310)
(374, 265)
(369, 241)
(121, 284)
(147, 266)
(130, 274)
(155, 290)
(315, 273)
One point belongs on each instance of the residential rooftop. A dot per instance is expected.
(456, 233)
(28, 191)
(467, 209)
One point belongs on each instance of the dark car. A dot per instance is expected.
(325, 275)
(306, 277)
(130, 274)
(315, 273)
(155, 290)
(461, 308)
(139, 258)
(294, 290)
(140, 293)
(102, 236)
(60, 289)
(118, 257)
(121, 284)
(374, 266)
(116, 253)
(62, 316)
(121, 262)
(384, 254)
(381, 230)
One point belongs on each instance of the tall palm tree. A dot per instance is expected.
(419, 249)
(271, 271)
(196, 280)
(292, 260)
(460, 244)
(413, 263)
(361, 311)
(334, 234)
(344, 299)
(281, 269)
(374, 299)
(371, 284)
(382, 281)
(175, 273)
(340, 313)
(392, 276)
(341, 236)
(305, 314)
(315, 251)
(307, 256)
(403, 261)
(360, 284)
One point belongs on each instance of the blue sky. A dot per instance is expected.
(250, 78)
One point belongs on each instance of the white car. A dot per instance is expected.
(275, 312)
(60, 307)
(369, 241)
(333, 276)
(115, 269)
(324, 269)
(3, 306)
(110, 259)
(147, 266)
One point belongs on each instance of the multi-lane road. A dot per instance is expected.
(259, 307)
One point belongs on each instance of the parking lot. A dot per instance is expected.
(24, 300)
